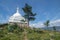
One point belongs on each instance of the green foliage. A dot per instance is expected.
(54, 28)
(38, 30)
(1, 33)
(32, 33)
(47, 23)
(28, 12)
(15, 28)
(10, 28)
(20, 29)
(29, 15)
(5, 38)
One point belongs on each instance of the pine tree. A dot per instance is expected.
(29, 15)
(47, 24)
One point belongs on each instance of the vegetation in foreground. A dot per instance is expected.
(14, 32)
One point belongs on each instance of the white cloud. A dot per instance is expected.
(41, 24)
(55, 23)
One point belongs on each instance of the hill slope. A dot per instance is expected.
(14, 32)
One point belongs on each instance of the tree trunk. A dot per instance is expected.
(28, 23)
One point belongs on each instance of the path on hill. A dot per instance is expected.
(25, 34)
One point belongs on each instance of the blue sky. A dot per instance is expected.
(45, 9)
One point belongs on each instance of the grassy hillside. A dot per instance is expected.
(14, 32)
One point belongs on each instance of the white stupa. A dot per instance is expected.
(16, 18)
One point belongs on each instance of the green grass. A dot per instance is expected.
(31, 34)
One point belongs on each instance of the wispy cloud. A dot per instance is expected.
(55, 23)
(37, 25)
(41, 24)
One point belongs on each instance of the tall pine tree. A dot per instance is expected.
(29, 15)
